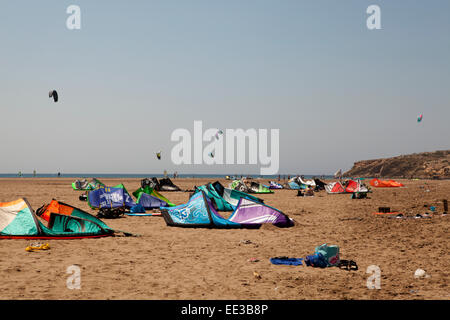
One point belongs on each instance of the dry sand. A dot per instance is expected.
(178, 263)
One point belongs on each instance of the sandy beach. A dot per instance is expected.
(177, 263)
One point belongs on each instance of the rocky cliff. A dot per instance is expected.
(418, 165)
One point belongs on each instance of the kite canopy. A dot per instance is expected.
(254, 187)
(275, 185)
(419, 118)
(166, 184)
(152, 192)
(320, 185)
(58, 207)
(219, 202)
(349, 186)
(258, 188)
(107, 197)
(84, 185)
(149, 202)
(355, 186)
(233, 196)
(199, 212)
(224, 199)
(309, 183)
(385, 183)
(129, 202)
(218, 133)
(335, 188)
(239, 185)
(53, 94)
(296, 185)
(81, 185)
(151, 183)
(18, 221)
(95, 183)
(250, 212)
(293, 185)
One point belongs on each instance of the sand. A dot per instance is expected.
(178, 263)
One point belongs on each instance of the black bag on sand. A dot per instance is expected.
(111, 213)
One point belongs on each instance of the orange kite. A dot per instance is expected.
(385, 183)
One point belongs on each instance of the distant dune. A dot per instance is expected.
(417, 165)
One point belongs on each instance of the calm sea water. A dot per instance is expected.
(131, 176)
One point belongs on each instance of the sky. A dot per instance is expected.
(138, 70)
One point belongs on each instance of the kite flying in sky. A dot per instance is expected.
(53, 94)
(419, 118)
(220, 132)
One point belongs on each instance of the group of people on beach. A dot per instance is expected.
(20, 174)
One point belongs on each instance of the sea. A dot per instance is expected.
(149, 175)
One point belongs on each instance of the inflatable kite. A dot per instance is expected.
(53, 94)
(220, 132)
(385, 183)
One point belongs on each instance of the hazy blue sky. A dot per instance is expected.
(137, 70)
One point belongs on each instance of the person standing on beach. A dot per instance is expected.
(34, 173)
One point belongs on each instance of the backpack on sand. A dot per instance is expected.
(330, 253)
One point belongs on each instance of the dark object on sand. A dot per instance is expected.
(359, 195)
(316, 260)
(384, 209)
(286, 261)
(320, 185)
(166, 184)
(348, 265)
(111, 213)
(151, 183)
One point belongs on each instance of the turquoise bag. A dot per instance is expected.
(331, 253)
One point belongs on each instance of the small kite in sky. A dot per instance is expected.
(158, 155)
(53, 94)
(419, 118)
(220, 132)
